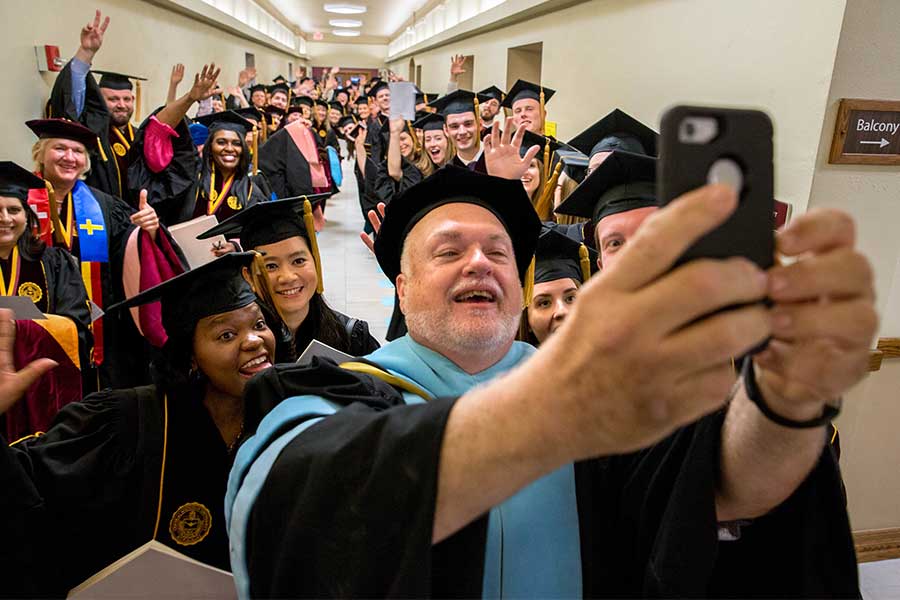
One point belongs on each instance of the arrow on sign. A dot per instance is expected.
(881, 144)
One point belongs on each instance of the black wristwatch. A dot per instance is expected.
(749, 375)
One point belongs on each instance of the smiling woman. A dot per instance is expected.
(160, 453)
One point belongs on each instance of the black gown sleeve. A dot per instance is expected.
(656, 535)
(71, 495)
(386, 187)
(361, 341)
(284, 166)
(347, 509)
(68, 297)
(172, 191)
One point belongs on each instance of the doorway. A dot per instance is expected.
(524, 62)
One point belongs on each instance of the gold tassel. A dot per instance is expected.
(102, 153)
(54, 214)
(543, 112)
(547, 160)
(255, 150)
(412, 134)
(477, 122)
(584, 259)
(313, 244)
(259, 281)
(544, 205)
(137, 100)
(528, 285)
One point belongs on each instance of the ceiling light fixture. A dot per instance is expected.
(345, 9)
(345, 32)
(345, 23)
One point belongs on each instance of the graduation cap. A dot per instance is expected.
(558, 256)
(616, 131)
(341, 90)
(274, 111)
(534, 139)
(493, 93)
(456, 102)
(226, 119)
(320, 102)
(65, 129)
(425, 97)
(258, 88)
(16, 181)
(346, 121)
(505, 198)
(279, 79)
(380, 85)
(302, 101)
(211, 289)
(267, 223)
(336, 106)
(280, 87)
(116, 81)
(525, 89)
(575, 164)
(429, 122)
(249, 113)
(362, 99)
(624, 181)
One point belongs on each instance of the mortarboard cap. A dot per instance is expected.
(624, 181)
(425, 97)
(525, 89)
(336, 106)
(302, 101)
(558, 256)
(116, 81)
(362, 99)
(616, 131)
(346, 121)
(280, 87)
(266, 222)
(16, 181)
(380, 85)
(429, 122)
(65, 129)
(456, 102)
(249, 113)
(258, 88)
(226, 119)
(274, 111)
(320, 102)
(493, 93)
(279, 79)
(533, 139)
(505, 198)
(341, 90)
(575, 164)
(211, 289)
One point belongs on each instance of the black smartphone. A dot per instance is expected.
(700, 145)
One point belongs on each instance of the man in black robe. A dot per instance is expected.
(77, 97)
(613, 462)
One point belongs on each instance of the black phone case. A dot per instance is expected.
(745, 136)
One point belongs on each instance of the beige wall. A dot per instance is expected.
(142, 39)
(868, 66)
(365, 56)
(643, 55)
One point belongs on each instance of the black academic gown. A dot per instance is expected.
(374, 139)
(386, 187)
(176, 191)
(104, 174)
(647, 520)
(88, 491)
(478, 165)
(359, 341)
(284, 166)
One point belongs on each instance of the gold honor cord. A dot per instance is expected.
(216, 198)
(67, 230)
(162, 470)
(10, 290)
(584, 259)
(367, 369)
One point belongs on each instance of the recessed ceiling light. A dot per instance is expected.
(345, 23)
(345, 9)
(345, 32)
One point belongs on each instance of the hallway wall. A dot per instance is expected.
(142, 39)
(645, 55)
(868, 66)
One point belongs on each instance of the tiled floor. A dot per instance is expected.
(354, 284)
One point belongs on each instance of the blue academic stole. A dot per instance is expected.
(92, 241)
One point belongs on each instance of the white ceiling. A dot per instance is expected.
(380, 22)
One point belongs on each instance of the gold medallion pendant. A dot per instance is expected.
(322, 133)
(234, 203)
(190, 524)
(31, 290)
(119, 149)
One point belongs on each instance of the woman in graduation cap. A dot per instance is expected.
(127, 466)
(405, 165)
(184, 185)
(289, 276)
(51, 278)
(561, 266)
(121, 250)
(435, 142)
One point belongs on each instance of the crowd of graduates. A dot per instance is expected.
(141, 418)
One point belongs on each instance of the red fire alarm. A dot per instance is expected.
(48, 58)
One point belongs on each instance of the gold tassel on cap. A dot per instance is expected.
(544, 205)
(547, 160)
(528, 285)
(412, 134)
(255, 150)
(313, 244)
(477, 122)
(543, 112)
(584, 259)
